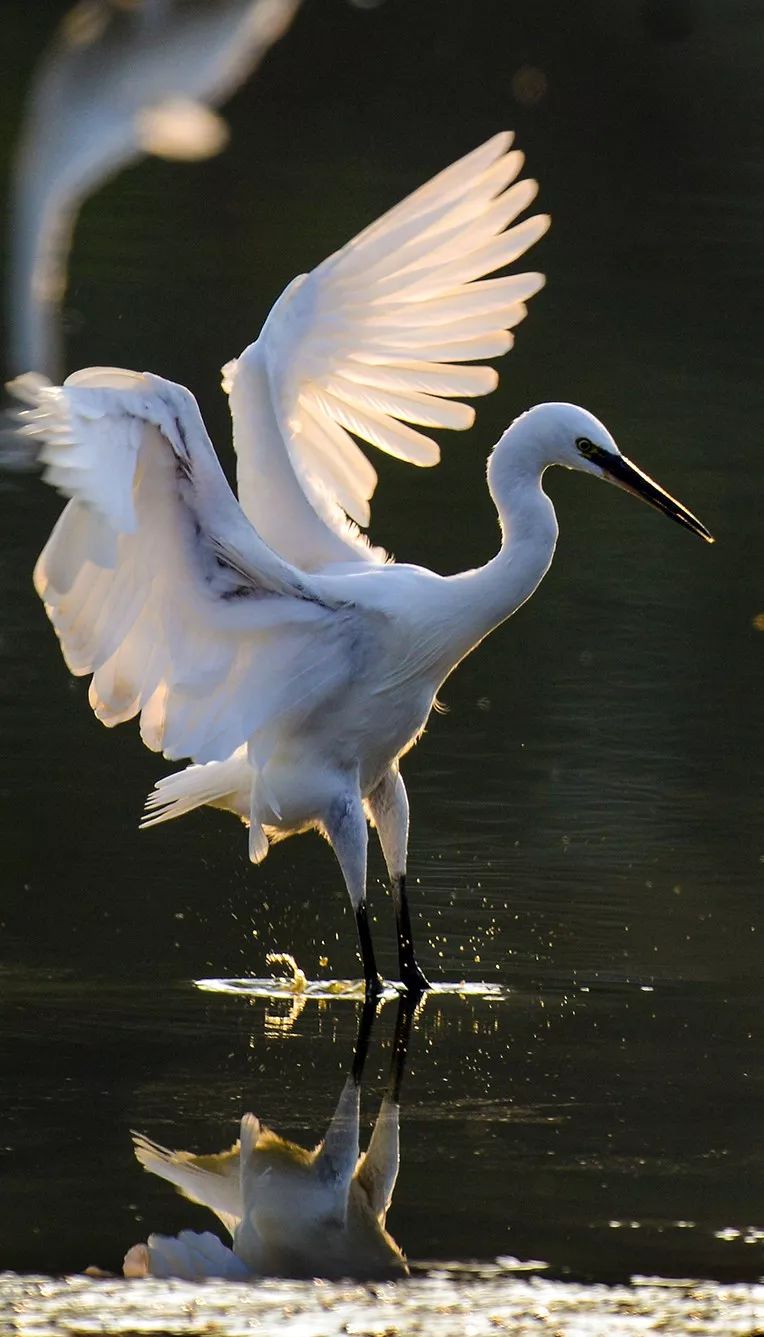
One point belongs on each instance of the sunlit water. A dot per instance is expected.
(447, 1303)
(587, 852)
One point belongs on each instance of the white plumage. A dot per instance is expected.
(289, 1211)
(373, 339)
(189, 1256)
(117, 80)
(266, 639)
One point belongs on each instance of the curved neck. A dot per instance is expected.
(492, 593)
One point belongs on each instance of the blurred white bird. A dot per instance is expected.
(290, 1212)
(117, 81)
(265, 638)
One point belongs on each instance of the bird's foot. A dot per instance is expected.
(413, 977)
(375, 987)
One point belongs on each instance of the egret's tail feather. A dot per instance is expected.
(258, 840)
(219, 784)
(258, 843)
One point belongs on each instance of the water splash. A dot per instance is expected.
(294, 985)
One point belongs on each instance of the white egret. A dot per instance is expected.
(117, 80)
(264, 638)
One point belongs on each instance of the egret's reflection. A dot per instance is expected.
(120, 78)
(290, 1212)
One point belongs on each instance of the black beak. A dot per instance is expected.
(617, 469)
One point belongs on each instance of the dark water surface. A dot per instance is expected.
(587, 816)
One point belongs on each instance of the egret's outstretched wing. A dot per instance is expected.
(375, 339)
(156, 582)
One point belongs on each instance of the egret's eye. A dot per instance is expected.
(587, 448)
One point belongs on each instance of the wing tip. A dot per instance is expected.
(503, 140)
(249, 1133)
(147, 1150)
(535, 277)
(28, 387)
(40, 577)
(228, 374)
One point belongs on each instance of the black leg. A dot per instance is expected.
(370, 972)
(411, 972)
(407, 1006)
(365, 1023)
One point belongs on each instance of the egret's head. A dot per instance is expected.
(567, 435)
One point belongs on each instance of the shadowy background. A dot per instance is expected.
(585, 818)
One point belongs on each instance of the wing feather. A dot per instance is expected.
(425, 378)
(155, 581)
(371, 346)
(379, 428)
(212, 1181)
(424, 408)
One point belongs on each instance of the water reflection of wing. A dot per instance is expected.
(189, 1256)
(374, 339)
(212, 1181)
(117, 82)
